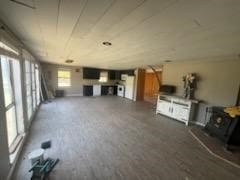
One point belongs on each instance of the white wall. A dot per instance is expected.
(77, 81)
(218, 84)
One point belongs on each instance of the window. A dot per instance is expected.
(7, 85)
(13, 97)
(9, 100)
(103, 76)
(32, 86)
(17, 83)
(64, 78)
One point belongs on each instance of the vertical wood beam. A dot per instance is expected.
(140, 84)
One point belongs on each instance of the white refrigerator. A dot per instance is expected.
(129, 87)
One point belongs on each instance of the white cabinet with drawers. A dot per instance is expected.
(176, 107)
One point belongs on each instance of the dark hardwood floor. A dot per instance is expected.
(115, 138)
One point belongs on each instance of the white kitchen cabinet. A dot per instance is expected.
(96, 90)
(176, 107)
(124, 77)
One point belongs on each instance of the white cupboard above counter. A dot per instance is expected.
(177, 107)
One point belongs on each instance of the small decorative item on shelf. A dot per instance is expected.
(190, 85)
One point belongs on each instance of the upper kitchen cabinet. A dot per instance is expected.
(112, 74)
(118, 75)
(91, 73)
(128, 72)
(125, 73)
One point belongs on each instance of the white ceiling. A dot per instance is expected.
(142, 32)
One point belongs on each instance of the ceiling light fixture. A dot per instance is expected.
(69, 61)
(167, 61)
(2, 28)
(106, 43)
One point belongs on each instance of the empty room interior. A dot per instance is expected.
(119, 89)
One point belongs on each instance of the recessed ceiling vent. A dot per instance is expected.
(69, 61)
(106, 43)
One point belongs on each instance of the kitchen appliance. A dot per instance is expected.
(87, 90)
(129, 87)
(223, 126)
(120, 90)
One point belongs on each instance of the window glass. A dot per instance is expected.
(64, 78)
(103, 76)
(7, 86)
(27, 66)
(29, 107)
(34, 100)
(37, 85)
(33, 77)
(11, 125)
(16, 72)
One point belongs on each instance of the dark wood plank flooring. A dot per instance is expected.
(114, 138)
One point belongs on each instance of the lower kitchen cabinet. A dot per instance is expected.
(106, 88)
(87, 90)
(99, 90)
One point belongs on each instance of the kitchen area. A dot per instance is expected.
(103, 82)
(75, 81)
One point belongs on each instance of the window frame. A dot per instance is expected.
(33, 86)
(11, 105)
(70, 78)
(28, 89)
(38, 84)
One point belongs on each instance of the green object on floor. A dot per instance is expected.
(42, 170)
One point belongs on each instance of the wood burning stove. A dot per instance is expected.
(224, 127)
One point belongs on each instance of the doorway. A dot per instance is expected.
(151, 86)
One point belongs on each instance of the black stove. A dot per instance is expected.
(223, 126)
